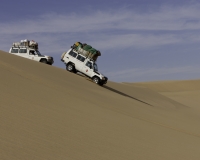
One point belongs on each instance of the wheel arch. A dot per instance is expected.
(96, 76)
(43, 59)
(70, 63)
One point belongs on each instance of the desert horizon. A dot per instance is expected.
(50, 113)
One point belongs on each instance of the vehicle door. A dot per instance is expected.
(80, 63)
(38, 56)
(33, 55)
(23, 52)
(88, 69)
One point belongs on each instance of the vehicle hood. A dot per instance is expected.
(47, 56)
(99, 73)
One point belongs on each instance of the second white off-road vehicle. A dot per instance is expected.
(30, 51)
(76, 62)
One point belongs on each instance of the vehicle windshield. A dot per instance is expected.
(38, 53)
(95, 67)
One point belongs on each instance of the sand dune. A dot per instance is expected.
(186, 92)
(49, 113)
(172, 86)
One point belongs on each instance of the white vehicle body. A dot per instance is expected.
(30, 53)
(79, 63)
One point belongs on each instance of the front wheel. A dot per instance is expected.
(44, 61)
(96, 80)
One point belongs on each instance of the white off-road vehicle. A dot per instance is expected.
(76, 62)
(25, 50)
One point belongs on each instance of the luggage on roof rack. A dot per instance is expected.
(87, 47)
(26, 43)
(16, 44)
(86, 50)
(33, 44)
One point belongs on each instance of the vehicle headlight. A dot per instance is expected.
(103, 78)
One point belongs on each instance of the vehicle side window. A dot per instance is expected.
(32, 52)
(89, 64)
(73, 54)
(80, 58)
(14, 50)
(23, 51)
(70, 53)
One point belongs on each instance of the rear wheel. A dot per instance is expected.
(70, 67)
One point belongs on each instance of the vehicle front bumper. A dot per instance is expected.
(50, 60)
(104, 80)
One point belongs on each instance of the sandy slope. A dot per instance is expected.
(49, 113)
(186, 92)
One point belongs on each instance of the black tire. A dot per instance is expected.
(44, 61)
(101, 84)
(96, 80)
(75, 71)
(70, 67)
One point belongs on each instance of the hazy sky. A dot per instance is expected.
(140, 40)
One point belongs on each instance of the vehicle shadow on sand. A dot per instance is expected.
(123, 94)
